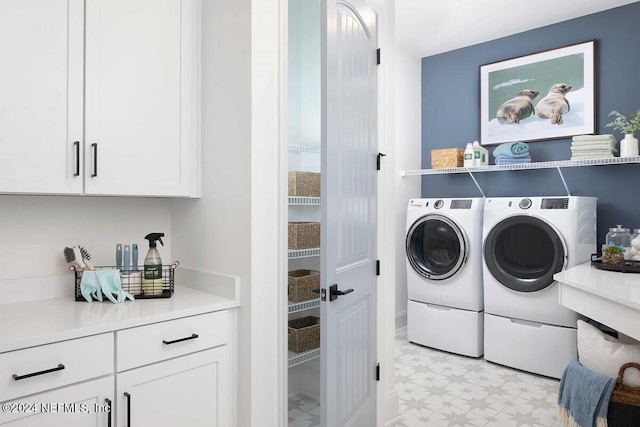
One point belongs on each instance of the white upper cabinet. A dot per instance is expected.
(41, 45)
(141, 97)
(121, 77)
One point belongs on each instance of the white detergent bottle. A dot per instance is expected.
(469, 156)
(481, 155)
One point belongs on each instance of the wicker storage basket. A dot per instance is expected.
(624, 405)
(447, 158)
(304, 184)
(302, 283)
(304, 334)
(304, 235)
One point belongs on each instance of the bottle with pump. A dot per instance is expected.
(469, 156)
(152, 274)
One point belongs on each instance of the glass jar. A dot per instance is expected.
(635, 245)
(620, 236)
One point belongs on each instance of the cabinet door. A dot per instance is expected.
(190, 390)
(142, 97)
(83, 405)
(41, 90)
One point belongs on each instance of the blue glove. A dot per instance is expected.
(89, 286)
(111, 286)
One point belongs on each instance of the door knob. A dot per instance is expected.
(334, 292)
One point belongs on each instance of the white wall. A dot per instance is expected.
(408, 151)
(214, 233)
(35, 229)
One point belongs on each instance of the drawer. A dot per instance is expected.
(53, 365)
(160, 341)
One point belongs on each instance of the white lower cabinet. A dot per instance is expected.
(191, 390)
(81, 405)
(171, 373)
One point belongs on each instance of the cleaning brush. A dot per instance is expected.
(86, 256)
(72, 255)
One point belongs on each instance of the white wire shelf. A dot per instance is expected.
(304, 201)
(303, 253)
(298, 358)
(526, 166)
(295, 307)
(304, 148)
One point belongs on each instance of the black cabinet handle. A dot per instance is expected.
(128, 396)
(16, 377)
(109, 412)
(192, 337)
(95, 159)
(77, 144)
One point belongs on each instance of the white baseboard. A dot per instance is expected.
(401, 319)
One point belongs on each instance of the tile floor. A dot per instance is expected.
(443, 389)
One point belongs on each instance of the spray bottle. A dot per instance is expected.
(152, 275)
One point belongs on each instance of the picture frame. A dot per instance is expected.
(544, 95)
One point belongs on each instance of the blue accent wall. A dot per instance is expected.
(451, 109)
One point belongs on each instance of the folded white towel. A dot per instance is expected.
(591, 153)
(594, 142)
(592, 156)
(596, 147)
(593, 137)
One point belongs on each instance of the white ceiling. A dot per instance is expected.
(428, 27)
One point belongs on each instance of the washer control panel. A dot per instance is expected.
(438, 204)
(461, 204)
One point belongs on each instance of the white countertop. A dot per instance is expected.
(33, 323)
(610, 297)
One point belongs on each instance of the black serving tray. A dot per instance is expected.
(628, 266)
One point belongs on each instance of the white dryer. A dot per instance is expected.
(526, 241)
(444, 274)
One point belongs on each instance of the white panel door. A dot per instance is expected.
(141, 96)
(349, 200)
(191, 390)
(41, 52)
(88, 404)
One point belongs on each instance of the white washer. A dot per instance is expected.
(444, 274)
(526, 241)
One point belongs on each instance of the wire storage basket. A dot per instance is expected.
(133, 282)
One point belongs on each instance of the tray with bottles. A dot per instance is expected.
(133, 282)
(625, 266)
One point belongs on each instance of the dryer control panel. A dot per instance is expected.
(555, 203)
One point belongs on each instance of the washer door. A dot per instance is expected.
(437, 248)
(524, 252)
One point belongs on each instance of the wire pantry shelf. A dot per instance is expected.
(132, 281)
(304, 201)
(295, 307)
(304, 148)
(298, 358)
(303, 253)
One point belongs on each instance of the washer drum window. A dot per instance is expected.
(524, 252)
(436, 247)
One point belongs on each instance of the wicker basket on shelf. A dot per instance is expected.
(304, 235)
(302, 283)
(304, 334)
(304, 184)
(447, 158)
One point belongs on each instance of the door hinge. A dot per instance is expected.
(378, 372)
(378, 160)
(377, 267)
(378, 56)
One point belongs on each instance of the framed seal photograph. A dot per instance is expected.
(545, 95)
